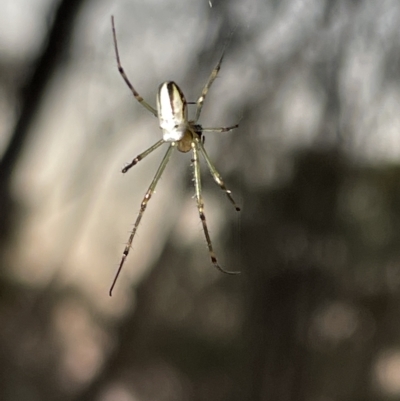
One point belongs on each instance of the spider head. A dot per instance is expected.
(172, 111)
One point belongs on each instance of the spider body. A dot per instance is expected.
(172, 111)
(182, 134)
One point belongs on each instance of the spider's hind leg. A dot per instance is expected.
(125, 77)
(207, 86)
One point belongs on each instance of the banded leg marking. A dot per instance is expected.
(125, 77)
(143, 206)
(142, 156)
(217, 177)
(200, 207)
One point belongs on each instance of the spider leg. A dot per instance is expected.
(207, 86)
(216, 175)
(200, 207)
(143, 206)
(220, 129)
(125, 77)
(142, 155)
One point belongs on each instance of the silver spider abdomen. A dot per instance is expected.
(172, 111)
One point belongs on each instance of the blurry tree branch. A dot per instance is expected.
(54, 48)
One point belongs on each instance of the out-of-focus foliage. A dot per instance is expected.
(315, 312)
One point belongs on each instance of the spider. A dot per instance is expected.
(180, 133)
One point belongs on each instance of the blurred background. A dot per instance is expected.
(315, 314)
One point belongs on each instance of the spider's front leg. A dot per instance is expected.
(143, 207)
(200, 205)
